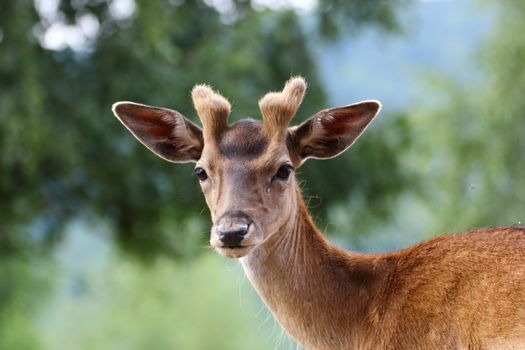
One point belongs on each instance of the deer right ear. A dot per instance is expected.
(331, 131)
(166, 132)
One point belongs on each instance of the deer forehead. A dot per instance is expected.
(247, 143)
(243, 139)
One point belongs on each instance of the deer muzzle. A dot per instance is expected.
(232, 227)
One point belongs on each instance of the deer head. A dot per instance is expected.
(246, 169)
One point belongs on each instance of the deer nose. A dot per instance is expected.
(232, 235)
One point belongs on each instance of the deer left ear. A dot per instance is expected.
(166, 132)
(331, 131)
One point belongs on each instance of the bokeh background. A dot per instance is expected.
(104, 246)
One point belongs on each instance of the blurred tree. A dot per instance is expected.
(113, 310)
(474, 163)
(337, 15)
(64, 156)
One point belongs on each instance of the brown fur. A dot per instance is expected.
(461, 291)
(234, 142)
(213, 110)
(278, 108)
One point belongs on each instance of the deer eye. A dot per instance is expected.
(283, 173)
(200, 173)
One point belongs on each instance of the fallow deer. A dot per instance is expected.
(456, 291)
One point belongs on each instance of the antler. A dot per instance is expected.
(212, 108)
(278, 108)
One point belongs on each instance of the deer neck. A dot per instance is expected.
(317, 292)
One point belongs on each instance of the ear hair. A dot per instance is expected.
(212, 108)
(278, 108)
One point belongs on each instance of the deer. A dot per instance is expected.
(454, 291)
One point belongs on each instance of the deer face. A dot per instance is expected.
(249, 186)
(246, 169)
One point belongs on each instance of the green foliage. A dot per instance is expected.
(120, 303)
(474, 161)
(22, 287)
(334, 15)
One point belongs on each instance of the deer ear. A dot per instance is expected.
(166, 132)
(331, 131)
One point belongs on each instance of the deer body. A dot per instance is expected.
(463, 291)
(445, 293)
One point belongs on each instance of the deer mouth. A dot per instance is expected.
(234, 251)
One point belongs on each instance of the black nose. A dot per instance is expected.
(231, 236)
